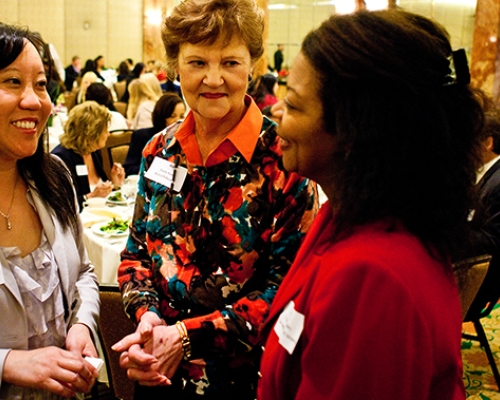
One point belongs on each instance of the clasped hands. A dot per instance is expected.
(151, 354)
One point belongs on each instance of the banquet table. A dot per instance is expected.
(104, 250)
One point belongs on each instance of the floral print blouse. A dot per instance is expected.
(214, 254)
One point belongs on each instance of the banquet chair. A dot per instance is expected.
(114, 324)
(121, 107)
(116, 149)
(470, 275)
(69, 100)
(120, 89)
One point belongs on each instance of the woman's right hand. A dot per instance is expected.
(103, 189)
(49, 368)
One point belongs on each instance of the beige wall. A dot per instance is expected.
(115, 27)
(88, 28)
(291, 20)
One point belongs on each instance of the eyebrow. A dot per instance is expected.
(198, 56)
(291, 89)
(9, 68)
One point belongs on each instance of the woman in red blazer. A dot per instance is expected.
(377, 115)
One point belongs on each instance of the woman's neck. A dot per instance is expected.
(217, 128)
(8, 174)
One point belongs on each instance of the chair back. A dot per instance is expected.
(121, 107)
(116, 149)
(120, 89)
(469, 274)
(114, 324)
(489, 293)
(69, 100)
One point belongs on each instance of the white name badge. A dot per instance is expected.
(165, 172)
(82, 170)
(289, 327)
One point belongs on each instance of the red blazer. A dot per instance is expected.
(382, 320)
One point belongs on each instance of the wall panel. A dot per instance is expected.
(86, 29)
(124, 31)
(9, 11)
(291, 20)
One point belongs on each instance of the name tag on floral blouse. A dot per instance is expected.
(289, 327)
(166, 173)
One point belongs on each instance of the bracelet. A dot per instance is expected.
(186, 343)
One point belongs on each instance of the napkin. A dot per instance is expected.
(96, 362)
(91, 215)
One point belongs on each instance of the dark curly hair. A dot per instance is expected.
(408, 139)
(49, 176)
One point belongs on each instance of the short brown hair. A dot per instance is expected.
(204, 21)
(84, 126)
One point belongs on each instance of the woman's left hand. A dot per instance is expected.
(117, 174)
(79, 341)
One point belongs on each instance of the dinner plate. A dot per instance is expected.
(116, 202)
(91, 215)
(96, 228)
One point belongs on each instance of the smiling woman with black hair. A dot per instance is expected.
(49, 300)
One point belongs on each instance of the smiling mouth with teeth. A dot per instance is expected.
(25, 124)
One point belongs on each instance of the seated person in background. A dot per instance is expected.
(87, 79)
(122, 72)
(89, 66)
(130, 63)
(55, 85)
(85, 133)
(486, 218)
(99, 67)
(137, 71)
(98, 92)
(172, 86)
(168, 109)
(265, 90)
(72, 71)
(144, 93)
(49, 298)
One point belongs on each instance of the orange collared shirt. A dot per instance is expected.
(242, 138)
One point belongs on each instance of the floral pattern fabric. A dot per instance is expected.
(215, 253)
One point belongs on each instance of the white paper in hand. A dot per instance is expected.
(96, 362)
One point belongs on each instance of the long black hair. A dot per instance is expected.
(407, 133)
(50, 178)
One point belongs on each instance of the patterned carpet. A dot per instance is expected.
(478, 378)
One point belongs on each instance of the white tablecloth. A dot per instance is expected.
(104, 252)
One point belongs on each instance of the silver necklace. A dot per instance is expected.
(7, 216)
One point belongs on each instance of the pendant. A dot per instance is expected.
(9, 226)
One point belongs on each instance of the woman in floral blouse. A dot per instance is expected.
(217, 221)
